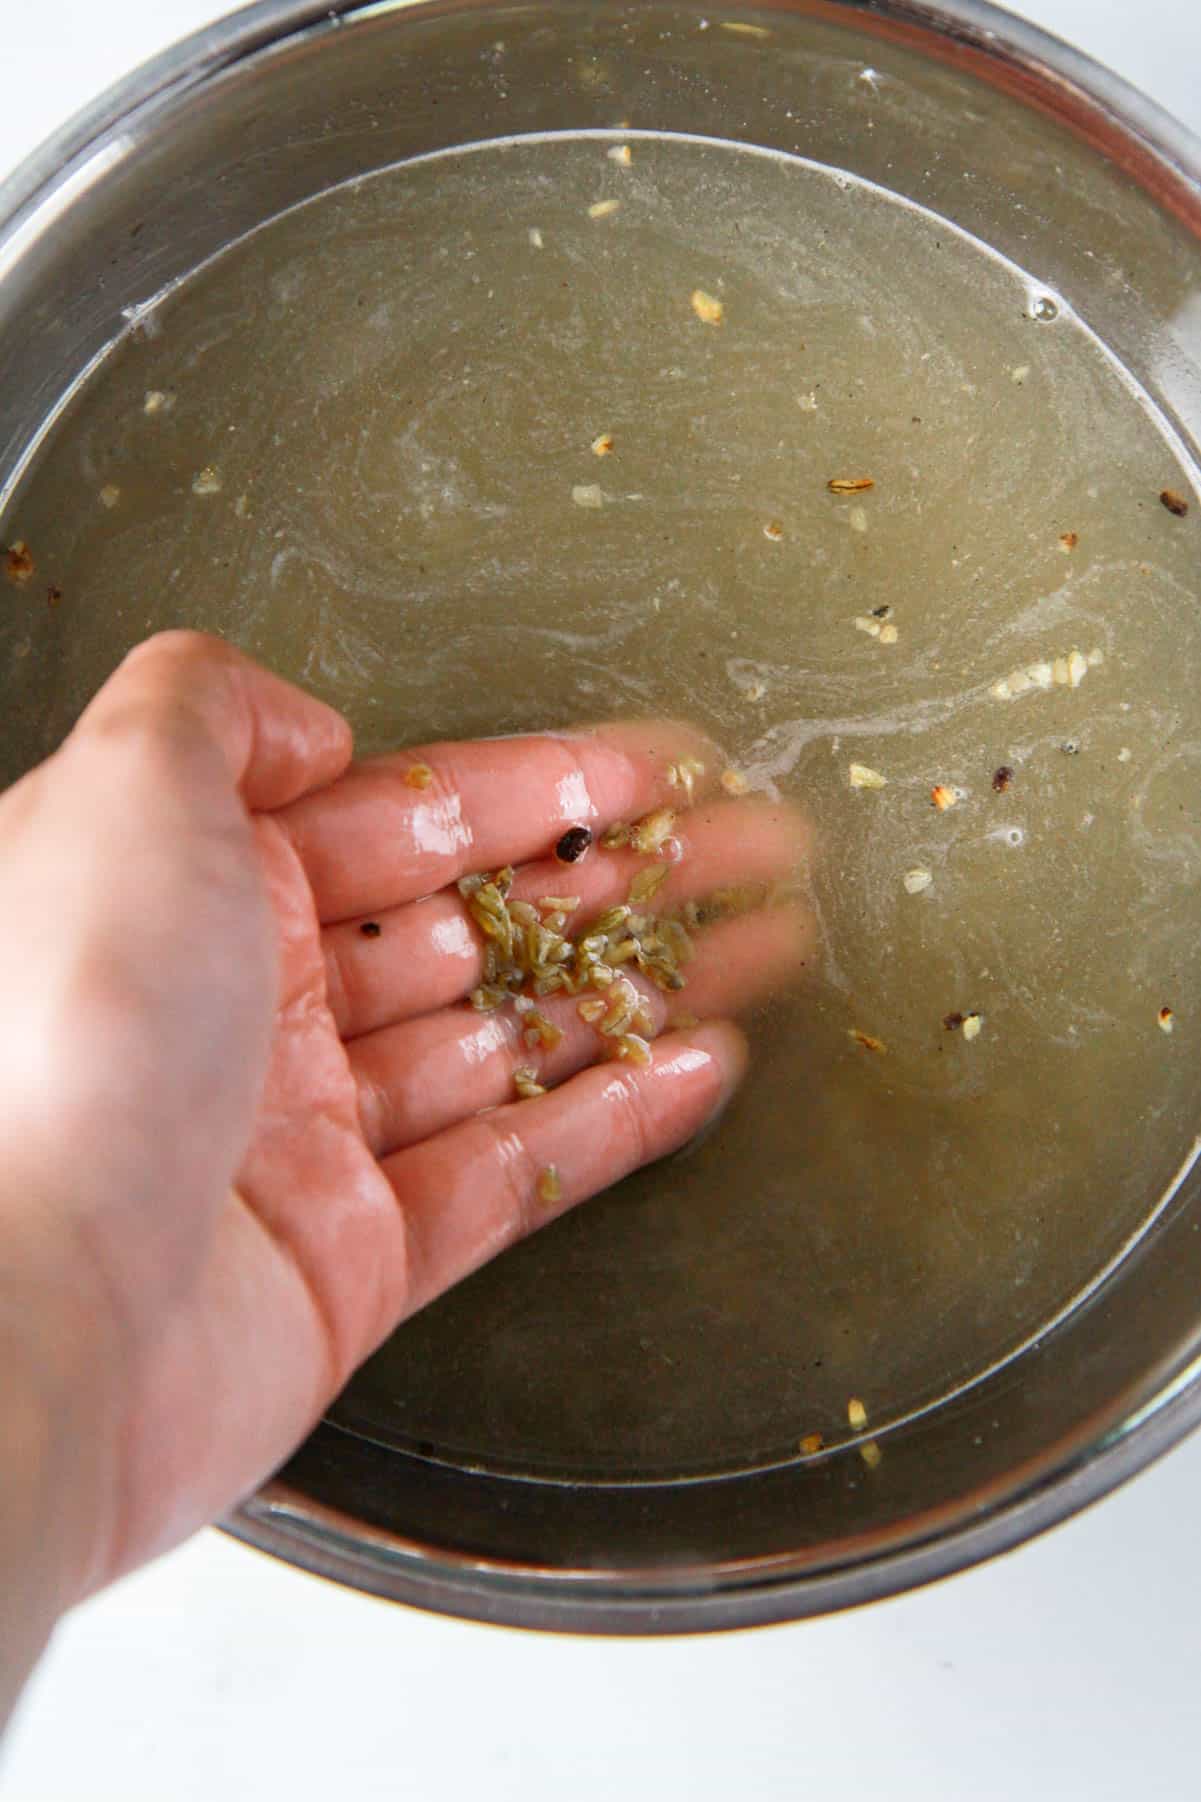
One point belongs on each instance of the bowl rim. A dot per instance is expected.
(1142, 1424)
(327, 1542)
(200, 56)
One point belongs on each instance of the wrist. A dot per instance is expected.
(57, 1434)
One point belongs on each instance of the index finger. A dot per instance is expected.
(398, 827)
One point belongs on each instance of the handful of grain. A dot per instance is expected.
(527, 952)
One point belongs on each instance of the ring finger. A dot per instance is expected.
(419, 1077)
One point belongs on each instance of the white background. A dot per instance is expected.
(1067, 1670)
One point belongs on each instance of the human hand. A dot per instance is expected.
(241, 1137)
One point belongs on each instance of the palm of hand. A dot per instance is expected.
(304, 1273)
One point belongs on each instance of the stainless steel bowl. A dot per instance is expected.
(1019, 140)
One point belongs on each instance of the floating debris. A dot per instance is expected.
(603, 209)
(877, 624)
(684, 775)
(588, 494)
(850, 484)
(708, 309)
(943, 796)
(867, 1040)
(856, 1414)
(968, 1024)
(539, 1033)
(620, 154)
(648, 882)
(207, 481)
(917, 880)
(602, 446)
(1175, 503)
(1066, 671)
(648, 834)
(1167, 1020)
(18, 562)
(860, 776)
(572, 846)
(633, 1048)
(550, 1189)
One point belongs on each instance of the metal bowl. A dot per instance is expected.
(1017, 139)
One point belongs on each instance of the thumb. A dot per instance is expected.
(138, 953)
(277, 742)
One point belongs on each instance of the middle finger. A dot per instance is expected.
(430, 954)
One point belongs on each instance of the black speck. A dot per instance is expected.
(1070, 747)
(1002, 778)
(573, 844)
(371, 929)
